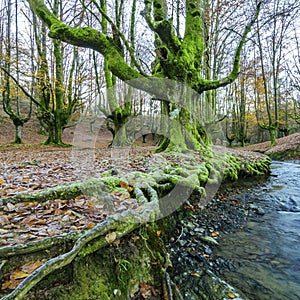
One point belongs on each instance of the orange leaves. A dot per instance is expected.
(231, 295)
(33, 220)
(18, 275)
(126, 186)
(215, 233)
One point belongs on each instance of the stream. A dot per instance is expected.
(265, 256)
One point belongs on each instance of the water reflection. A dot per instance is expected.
(267, 252)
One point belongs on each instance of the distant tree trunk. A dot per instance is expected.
(57, 98)
(271, 65)
(7, 95)
(242, 115)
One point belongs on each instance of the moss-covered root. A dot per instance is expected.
(94, 239)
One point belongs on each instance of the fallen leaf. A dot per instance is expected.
(145, 290)
(30, 220)
(231, 295)
(209, 239)
(10, 207)
(110, 237)
(4, 220)
(196, 275)
(215, 233)
(126, 186)
(19, 274)
(2, 181)
(123, 184)
(135, 238)
(158, 232)
(89, 225)
(11, 284)
(31, 266)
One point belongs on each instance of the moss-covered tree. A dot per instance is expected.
(57, 99)
(177, 58)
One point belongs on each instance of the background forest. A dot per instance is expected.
(56, 82)
(93, 223)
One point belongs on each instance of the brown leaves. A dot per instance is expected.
(26, 221)
(31, 220)
(30, 170)
(3, 220)
(145, 290)
(18, 275)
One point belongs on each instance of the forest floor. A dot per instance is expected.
(286, 146)
(32, 167)
(31, 137)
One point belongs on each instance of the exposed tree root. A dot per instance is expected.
(39, 245)
(121, 224)
(159, 192)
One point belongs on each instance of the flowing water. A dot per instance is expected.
(266, 253)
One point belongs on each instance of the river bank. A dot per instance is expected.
(248, 239)
(196, 270)
(287, 147)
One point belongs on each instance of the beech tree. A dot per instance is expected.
(273, 41)
(179, 58)
(11, 64)
(57, 96)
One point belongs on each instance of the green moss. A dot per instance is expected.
(289, 154)
(111, 182)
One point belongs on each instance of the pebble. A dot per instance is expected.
(194, 251)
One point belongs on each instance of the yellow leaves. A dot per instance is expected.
(2, 182)
(215, 233)
(18, 275)
(158, 232)
(196, 274)
(231, 295)
(89, 225)
(11, 284)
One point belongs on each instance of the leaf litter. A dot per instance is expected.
(38, 169)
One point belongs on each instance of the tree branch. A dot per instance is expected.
(86, 37)
(23, 89)
(204, 85)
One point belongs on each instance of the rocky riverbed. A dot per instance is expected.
(196, 270)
